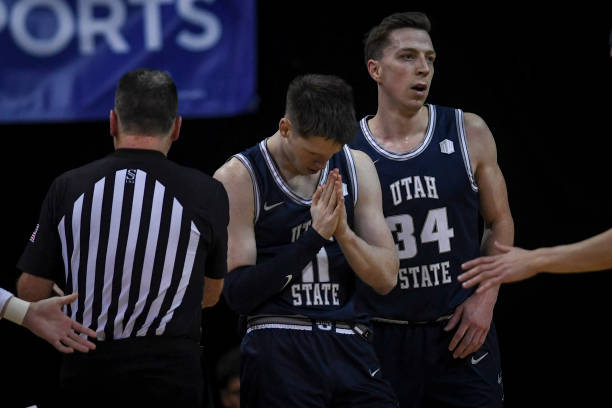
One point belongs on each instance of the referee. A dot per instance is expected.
(144, 243)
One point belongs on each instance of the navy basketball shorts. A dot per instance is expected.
(312, 366)
(422, 371)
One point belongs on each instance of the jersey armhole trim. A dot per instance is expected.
(256, 194)
(350, 161)
(464, 148)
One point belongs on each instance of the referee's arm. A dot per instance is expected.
(212, 291)
(33, 288)
(216, 264)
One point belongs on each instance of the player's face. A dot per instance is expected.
(407, 67)
(311, 154)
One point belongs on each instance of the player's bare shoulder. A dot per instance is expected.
(481, 144)
(239, 186)
(233, 173)
(362, 160)
(367, 177)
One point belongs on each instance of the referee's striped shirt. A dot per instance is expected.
(134, 234)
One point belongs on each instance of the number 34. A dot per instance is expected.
(435, 229)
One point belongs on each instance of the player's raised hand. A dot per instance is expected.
(325, 209)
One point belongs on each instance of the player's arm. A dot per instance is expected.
(592, 254)
(474, 316)
(515, 264)
(32, 288)
(248, 284)
(369, 249)
(46, 320)
(493, 196)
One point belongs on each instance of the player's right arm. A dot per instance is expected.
(248, 284)
(241, 247)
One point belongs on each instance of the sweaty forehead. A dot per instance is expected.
(409, 38)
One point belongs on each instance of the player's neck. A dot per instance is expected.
(400, 130)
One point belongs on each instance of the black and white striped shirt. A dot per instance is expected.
(134, 234)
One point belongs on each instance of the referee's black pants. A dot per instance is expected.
(136, 372)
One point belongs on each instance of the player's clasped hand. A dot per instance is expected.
(327, 205)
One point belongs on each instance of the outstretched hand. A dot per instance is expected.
(46, 320)
(513, 264)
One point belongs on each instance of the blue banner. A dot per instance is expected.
(60, 60)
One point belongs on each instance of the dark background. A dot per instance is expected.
(542, 80)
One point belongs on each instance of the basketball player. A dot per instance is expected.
(438, 170)
(515, 264)
(306, 224)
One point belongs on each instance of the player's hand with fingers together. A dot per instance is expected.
(342, 228)
(326, 208)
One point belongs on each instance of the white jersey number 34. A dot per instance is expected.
(435, 229)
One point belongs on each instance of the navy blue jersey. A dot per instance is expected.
(326, 287)
(430, 202)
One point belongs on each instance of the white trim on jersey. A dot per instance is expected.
(256, 192)
(464, 148)
(401, 156)
(280, 182)
(352, 171)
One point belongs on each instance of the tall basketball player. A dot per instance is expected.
(438, 170)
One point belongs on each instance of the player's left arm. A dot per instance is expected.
(474, 316)
(369, 249)
(493, 196)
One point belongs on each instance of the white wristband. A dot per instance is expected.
(16, 310)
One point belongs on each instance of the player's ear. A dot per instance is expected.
(374, 69)
(284, 127)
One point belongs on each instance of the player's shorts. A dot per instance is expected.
(295, 362)
(134, 372)
(416, 360)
